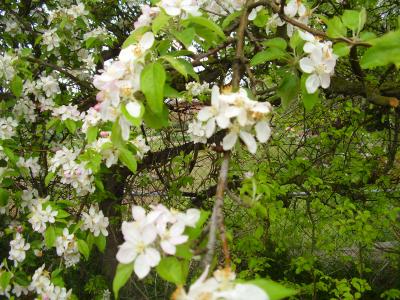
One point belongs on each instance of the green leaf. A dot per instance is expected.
(276, 43)
(267, 55)
(49, 177)
(4, 195)
(156, 121)
(230, 18)
(71, 125)
(350, 19)
(50, 237)
(341, 49)
(121, 277)
(186, 36)
(53, 122)
(336, 28)
(274, 290)
(62, 214)
(83, 249)
(100, 242)
(160, 21)
(176, 64)
(385, 50)
(5, 278)
(16, 86)
(172, 270)
(288, 89)
(128, 159)
(309, 100)
(261, 19)
(116, 135)
(152, 83)
(91, 134)
(354, 20)
(208, 24)
(170, 91)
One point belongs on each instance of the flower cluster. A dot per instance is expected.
(18, 249)
(42, 285)
(180, 7)
(161, 226)
(7, 128)
(39, 216)
(95, 221)
(221, 286)
(237, 113)
(66, 112)
(147, 16)
(31, 164)
(195, 89)
(7, 70)
(320, 63)
(118, 83)
(67, 247)
(293, 9)
(71, 172)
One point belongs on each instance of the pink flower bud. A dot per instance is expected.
(104, 134)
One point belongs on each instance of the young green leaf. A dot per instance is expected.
(50, 237)
(121, 277)
(83, 249)
(4, 195)
(208, 24)
(128, 159)
(336, 28)
(16, 86)
(152, 83)
(267, 55)
(172, 270)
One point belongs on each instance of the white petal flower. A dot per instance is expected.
(229, 140)
(134, 109)
(249, 140)
(263, 131)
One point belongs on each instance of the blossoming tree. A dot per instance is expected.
(100, 100)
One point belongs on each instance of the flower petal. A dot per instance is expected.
(307, 65)
(126, 253)
(210, 127)
(249, 140)
(229, 141)
(168, 247)
(312, 83)
(141, 266)
(205, 114)
(152, 256)
(147, 41)
(134, 109)
(263, 131)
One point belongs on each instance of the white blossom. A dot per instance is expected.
(66, 112)
(95, 221)
(18, 249)
(39, 217)
(51, 39)
(7, 70)
(320, 64)
(7, 128)
(31, 164)
(25, 109)
(147, 16)
(237, 113)
(67, 247)
(180, 7)
(49, 85)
